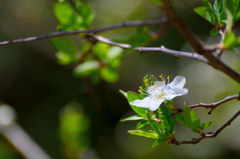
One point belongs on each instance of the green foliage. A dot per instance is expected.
(221, 13)
(214, 32)
(142, 124)
(131, 96)
(159, 141)
(66, 50)
(234, 7)
(206, 125)
(86, 68)
(230, 41)
(109, 75)
(70, 18)
(132, 118)
(191, 120)
(73, 130)
(144, 133)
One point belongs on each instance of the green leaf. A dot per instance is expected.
(181, 120)
(142, 124)
(67, 17)
(85, 47)
(219, 11)
(191, 118)
(123, 93)
(233, 6)
(229, 40)
(159, 141)
(158, 2)
(132, 96)
(100, 50)
(114, 53)
(172, 125)
(66, 50)
(167, 114)
(206, 124)
(229, 21)
(214, 32)
(85, 11)
(156, 126)
(109, 75)
(209, 12)
(201, 11)
(132, 118)
(144, 133)
(86, 68)
(163, 119)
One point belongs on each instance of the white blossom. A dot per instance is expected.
(159, 91)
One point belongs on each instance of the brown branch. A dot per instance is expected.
(161, 49)
(208, 135)
(94, 30)
(175, 21)
(212, 105)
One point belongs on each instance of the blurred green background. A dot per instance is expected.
(70, 118)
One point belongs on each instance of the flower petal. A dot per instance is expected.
(154, 104)
(178, 82)
(170, 94)
(141, 103)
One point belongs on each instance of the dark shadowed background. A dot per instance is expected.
(45, 95)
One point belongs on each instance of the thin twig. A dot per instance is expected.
(208, 135)
(94, 30)
(214, 105)
(161, 49)
(175, 21)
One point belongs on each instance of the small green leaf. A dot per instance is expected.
(156, 126)
(229, 40)
(100, 50)
(67, 17)
(144, 133)
(233, 6)
(167, 114)
(201, 11)
(142, 124)
(85, 11)
(206, 124)
(159, 141)
(66, 50)
(123, 93)
(172, 125)
(109, 75)
(181, 120)
(163, 119)
(86, 68)
(132, 96)
(85, 47)
(191, 118)
(132, 118)
(214, 32)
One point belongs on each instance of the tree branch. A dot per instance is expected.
(175, 21)
(161, 49)
(94, 30)
(208, 135)
(214, 105)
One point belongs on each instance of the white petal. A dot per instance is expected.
(178, 82)
(170, 95)
(154, 104)
(141, 103)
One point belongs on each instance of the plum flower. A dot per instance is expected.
(159, 91)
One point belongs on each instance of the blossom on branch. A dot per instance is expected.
(159, 91)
